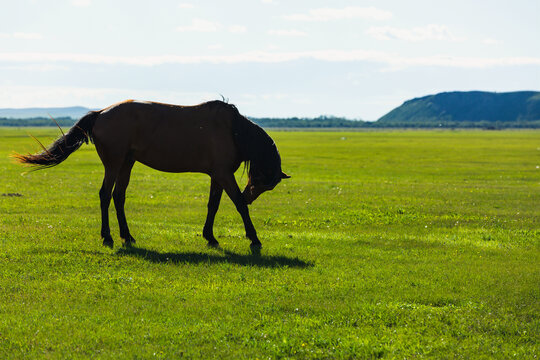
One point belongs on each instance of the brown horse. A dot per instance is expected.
(211, 138)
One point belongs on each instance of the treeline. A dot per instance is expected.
(335, 122)
(487, 125)
(323, 122)
(318, 122)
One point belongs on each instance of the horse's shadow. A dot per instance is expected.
(221, 256)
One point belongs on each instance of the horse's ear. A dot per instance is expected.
(284, 176)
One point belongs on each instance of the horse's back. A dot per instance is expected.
(168, 137)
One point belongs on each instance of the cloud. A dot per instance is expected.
(199, 25)
(36, 96)
(429, 32)
(27, 36)
(202, 25)
(491, 41)
(349, 12)
(81, 3)
(215, 46)
(186, 6)
(237, 29)
(44, 67)
(251, 99)
(21, 36)
(291, 32)
(392, 60)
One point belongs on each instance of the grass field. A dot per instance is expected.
(404, 244)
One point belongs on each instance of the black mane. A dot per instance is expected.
(257, 150)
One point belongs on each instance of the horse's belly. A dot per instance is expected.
(174, 160)
(174, 167)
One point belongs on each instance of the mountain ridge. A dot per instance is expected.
(468, 106)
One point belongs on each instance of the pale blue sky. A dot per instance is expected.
(357, 59)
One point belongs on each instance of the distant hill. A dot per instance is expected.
(467, 107)
(74, 112)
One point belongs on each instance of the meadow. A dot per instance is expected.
(390, 244)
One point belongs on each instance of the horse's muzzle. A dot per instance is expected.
(251, 193)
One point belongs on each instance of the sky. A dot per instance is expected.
(271, 58)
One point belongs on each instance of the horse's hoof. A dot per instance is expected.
(255, 242)
(108, 243)
(213, 244)
(255, 248)
(129, 241)
(128, 244)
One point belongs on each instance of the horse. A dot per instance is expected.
(211, 138)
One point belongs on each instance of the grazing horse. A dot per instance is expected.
(211, 138)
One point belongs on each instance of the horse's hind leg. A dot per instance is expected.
(213, 204)
(105, 199)
(119, 197)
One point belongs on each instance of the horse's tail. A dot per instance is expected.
(80, 133)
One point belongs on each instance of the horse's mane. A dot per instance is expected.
(256, 148)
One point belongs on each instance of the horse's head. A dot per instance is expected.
(262, 159)
(260, 181)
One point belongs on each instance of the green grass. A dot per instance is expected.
(404, 244)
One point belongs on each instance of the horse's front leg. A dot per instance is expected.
(231, 188)
(213, 204)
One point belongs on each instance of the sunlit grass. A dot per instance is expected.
(382, 244)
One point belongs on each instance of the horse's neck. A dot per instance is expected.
(259, 142)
